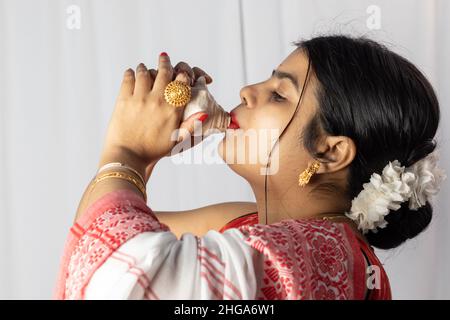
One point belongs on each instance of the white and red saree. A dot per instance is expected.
(119, 250)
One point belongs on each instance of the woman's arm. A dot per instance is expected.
(199, 221)
(119, 250)
(142, 126)
(112, 212)
(122, 155)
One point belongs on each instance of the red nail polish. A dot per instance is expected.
(203, 117)
(163, 54)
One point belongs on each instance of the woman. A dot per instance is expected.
(354, 171)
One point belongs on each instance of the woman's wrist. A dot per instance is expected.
(125, 156)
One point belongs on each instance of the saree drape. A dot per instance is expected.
(119, 250)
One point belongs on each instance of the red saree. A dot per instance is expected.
(119, 250)
(383, 292)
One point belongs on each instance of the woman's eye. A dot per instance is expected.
(277, 97)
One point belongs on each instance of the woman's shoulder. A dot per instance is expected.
(292, 228)
(300, 238)
(308, 254)
(302, 231)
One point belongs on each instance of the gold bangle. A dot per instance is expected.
(124, 176)
(120, 166)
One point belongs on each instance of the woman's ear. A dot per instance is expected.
(339, 152)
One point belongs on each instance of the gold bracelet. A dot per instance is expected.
(124, 176)
(121, 166)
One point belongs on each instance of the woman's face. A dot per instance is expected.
(265, 110)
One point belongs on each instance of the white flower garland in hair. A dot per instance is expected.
(395, 185)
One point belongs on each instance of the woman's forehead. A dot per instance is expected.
(296, 64)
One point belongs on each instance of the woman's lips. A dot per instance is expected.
(233, 123)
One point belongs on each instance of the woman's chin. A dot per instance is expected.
(242, 168)
(224, 153)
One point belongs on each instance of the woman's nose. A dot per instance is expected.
(248, 96)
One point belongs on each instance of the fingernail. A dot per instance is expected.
(163, 54)
(182, 137)
(203, 117)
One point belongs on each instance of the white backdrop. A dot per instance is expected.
(58, 84)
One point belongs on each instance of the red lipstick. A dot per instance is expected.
(233, 123)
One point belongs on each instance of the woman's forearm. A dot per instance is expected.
(139, 132)
(95, 192)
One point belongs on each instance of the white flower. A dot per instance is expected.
(383, 193)
(395, 185)
(429, 179)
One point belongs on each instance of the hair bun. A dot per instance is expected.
(403, 224)
(420, 152)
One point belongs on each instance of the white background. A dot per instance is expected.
(58, 87)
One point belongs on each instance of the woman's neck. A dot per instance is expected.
(295, 203)
(292, 203)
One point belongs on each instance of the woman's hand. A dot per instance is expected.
(142, 128)
(143, 124)
(187, 126)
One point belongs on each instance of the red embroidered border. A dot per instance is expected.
(93, 238)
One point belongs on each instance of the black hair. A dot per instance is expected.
(385, 105)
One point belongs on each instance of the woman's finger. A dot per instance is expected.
(199, 72)
(143, 81)
(183, 77)
(164, 75)
(127, 86)
(153, 73)
(151, 79)
(191, 124)
(184, 67)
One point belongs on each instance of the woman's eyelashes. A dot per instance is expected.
(277, 97)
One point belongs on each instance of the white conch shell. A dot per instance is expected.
(203, 101)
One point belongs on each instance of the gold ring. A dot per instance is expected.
(177, 93)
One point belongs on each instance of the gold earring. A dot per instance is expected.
(304, 177)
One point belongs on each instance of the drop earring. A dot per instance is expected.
(304, 177)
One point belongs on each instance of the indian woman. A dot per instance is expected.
(353, 168)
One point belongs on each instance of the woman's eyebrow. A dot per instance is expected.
(285, 75)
